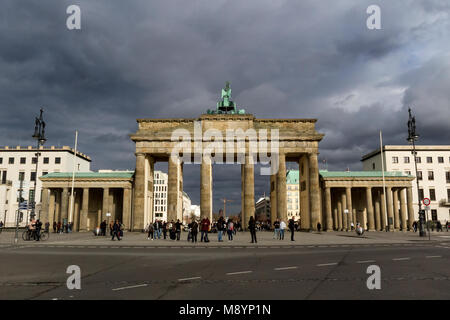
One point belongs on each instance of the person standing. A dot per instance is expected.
(276, 229)
(319, 227)
(204, 230)
(291, 226)
(282, 228)
(252, 228)
(230, 229)
(194, 231)
(55, 225)
(178, 229)
(220, 227)
(116, 230)
(38, 227)
(150, 231)
(164, 229)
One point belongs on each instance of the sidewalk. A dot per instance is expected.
(241, 239)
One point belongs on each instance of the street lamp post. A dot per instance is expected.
(39, 135)
(412, 137)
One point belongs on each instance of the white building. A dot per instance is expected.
(160, 195)
(186, 208)
(293, 194)
(19, 163)
(433, 170)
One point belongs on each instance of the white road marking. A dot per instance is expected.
(365, 261)
(130, 287)
(327, 264)
(187, 279)
(401, 259)
(284, 268)
(429, 257)
(240, 272)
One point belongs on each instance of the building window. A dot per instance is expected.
(448, 195)
(447, 176)
(11, 160)
(434, 214)
(23, 160)
(406, 160)
(429, 159)
(441, 159)
(419, 175)
(1, 160)
(34, 160)
(46, 160)
(57, 160)
(421, 194)
(430, 175)
(44, 173)
(394, 159)
(373, 166)
(418, 160)
(432, 195)
(33, 176)
(21, 176)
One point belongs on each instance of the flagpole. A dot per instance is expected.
(384, 182)
(73, 178)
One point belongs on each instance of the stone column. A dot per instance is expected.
(396, 210)
(242, 192)
(76, 212)
(329, 226)
(409, 197)
(44, 206)
(273, 198)
(51, 208)
(84, 209)
(105, 205)
(348, 192)
(126, 208)
(383, 211)
(58, 194)
(344, 215)
(314, 190)
(390, 209)
(403, 210)
(335, 218)
(281, 188)
(206, 188)
(370, 215)
(173, 189)
(249, 191)
(377, 213)
(339, 212)
(64, 204)
(139, 193)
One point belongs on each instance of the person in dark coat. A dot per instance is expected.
(291, 226)
(54, 226)
(164, 229)
(194, 231)
(204, 230)
(319, 226)
(115, 230)
(178, 229)
(252, 228)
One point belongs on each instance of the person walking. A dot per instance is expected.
(58, 227)
(282, 228)
(252, 228)
(178, 229)
(319, 227)
(220, 228)
(116, 230)
(230, 229)
(291, 226)
(415, 226)
(150, 230)
(38, 227)
(276, 229)
(103, 228)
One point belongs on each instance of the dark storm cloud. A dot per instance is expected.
(135, 59)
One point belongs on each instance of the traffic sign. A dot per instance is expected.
(426, 201)
(23, 205)
(427, 208)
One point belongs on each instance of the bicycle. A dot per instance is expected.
(29, 235)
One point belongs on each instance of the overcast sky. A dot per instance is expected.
(287, 59)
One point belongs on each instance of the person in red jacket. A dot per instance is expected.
(204, 229)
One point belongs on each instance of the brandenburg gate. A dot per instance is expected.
(227, 135)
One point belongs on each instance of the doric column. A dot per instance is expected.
(84, 210)
(329, 226)
(344, 215)
(348, 192)
(242, 193)
(273, 198)
(105, 205)
(335, 218)
(76, 212)
(139, 193)
(377, 212)
(126, 208)
(403, 210)
(173, 189)
(51, 208)
(383, 211)
(340, 213)
(44, 206)
(58, 194)
(249, 191)
(314, 190)
(281, 188)
(64, 204)
(390, 208)
(409, 198)
(396, 210)
(370, 215)
(206, 188)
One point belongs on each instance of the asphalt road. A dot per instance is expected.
(408, 271)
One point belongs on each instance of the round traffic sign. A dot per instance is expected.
(426, 201)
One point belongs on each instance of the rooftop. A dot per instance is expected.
(361, 174)
(406, 148)
(42, 148)
(292, 177)
(81, 175)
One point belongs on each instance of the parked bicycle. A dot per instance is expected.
(29, 235)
